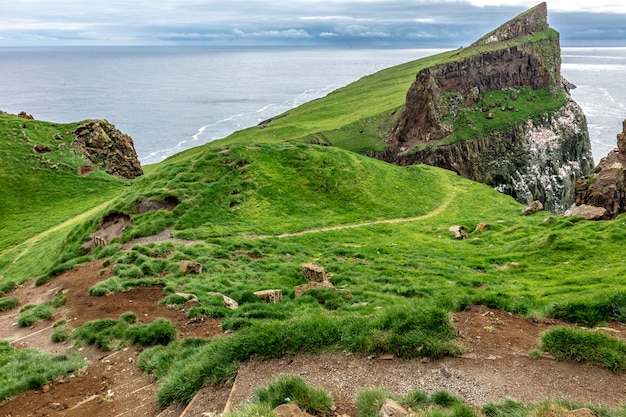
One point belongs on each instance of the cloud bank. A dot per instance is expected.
(397, 23)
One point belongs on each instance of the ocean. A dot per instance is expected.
(169, 99)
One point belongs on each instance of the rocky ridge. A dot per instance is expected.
(602, 195)
(538, 159)
(104, 145)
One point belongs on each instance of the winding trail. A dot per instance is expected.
(442, 207)
(70, 222)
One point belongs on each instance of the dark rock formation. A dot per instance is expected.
(106, 146)
(606, 187)
(538, 159)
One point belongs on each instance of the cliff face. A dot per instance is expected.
(536, 159)
(106, 146)
(602, 195)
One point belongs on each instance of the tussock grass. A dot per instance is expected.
(546, 408)
(31, 314)
(440, 403)
(7, 303)
(293, 389)
(108, 334)
(25, 369)
(585, 346)
(185, 370)
(265, 200)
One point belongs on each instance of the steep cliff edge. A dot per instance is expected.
(499, 112)
(602, 195)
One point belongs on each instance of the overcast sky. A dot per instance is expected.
(392, 23)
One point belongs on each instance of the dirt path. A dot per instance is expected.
(497, 366)
(442, 207)
(70, 222)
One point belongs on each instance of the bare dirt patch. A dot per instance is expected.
(497, 366)
(113, 225)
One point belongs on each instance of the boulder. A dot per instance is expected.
(191, 300)
(314, 272)
(299, 290)
(290, 410)
(189, 267)
(606, 187)
(391, 408)
(227, 302)
(588, 212)
(459, 232)
(104, 145)
(24, 115)
(270, 296)
(532, 207)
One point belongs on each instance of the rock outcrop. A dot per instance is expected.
(538, 158)
(602, 195)
(106, 146)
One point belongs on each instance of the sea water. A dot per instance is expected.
(172, 98)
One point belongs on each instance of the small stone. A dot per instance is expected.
(532, 207)
(460, 233)
(391, 408)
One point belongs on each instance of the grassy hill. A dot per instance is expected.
(41, 195)
(262, 202)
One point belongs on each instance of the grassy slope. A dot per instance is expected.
(256, 183)
(40, 193)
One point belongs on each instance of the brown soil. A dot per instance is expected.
(496, 368)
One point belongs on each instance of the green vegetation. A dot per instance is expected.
(24, 369)
(31, 314)
(293, 389)
(110, 334)
(259, 204)
(499, 110)
(586, 346)
(62, 332)
(7, 303)
(437, 404)
(407, 330)
(511, 408)
(43, 196)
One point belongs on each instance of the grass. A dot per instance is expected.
(262, 202)
(293, 389)
(7, 303)
(440, 403)
(443, 404)
(546, 408)
(507, 107)
(38, 214)
(585, 346)
(108, 334)
(24, 369)
(407, 331)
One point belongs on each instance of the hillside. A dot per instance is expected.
(355, 257)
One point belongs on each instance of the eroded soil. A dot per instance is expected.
(497, 366)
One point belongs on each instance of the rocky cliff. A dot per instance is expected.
(106, 146)
(602, 195)
(499, 112)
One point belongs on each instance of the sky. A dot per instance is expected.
(382, 23)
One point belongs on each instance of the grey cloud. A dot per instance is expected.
(393, 22)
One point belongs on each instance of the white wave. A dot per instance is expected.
(592, 67)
